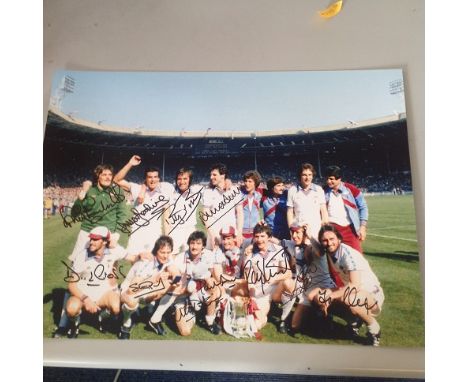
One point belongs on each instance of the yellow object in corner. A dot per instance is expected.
(332, 10)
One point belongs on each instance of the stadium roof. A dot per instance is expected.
(57, 115)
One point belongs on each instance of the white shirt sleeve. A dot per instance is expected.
(321, 195)
(291, 194)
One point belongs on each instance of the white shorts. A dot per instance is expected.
(143, 240)
(379, 297)
(95, 293)
(267, 291)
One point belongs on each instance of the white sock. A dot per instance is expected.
(288, 303)
(127, 315)
(164, 304)
(63, 316)
(210, 319)
(374, 328)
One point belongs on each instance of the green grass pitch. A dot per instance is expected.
(391, 249)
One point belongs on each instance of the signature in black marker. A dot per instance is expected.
(80, 213)
(147, 286)
(350, 298)
(227, 199)
(143, 217)
(185, 205)
(98, 273)
(264, 272)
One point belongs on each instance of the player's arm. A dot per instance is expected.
(324, 214)
(240, 224)
(81, 201)
(119, 178)
(290, 215)
(361, 205)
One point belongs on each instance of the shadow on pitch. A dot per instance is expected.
(410, 257)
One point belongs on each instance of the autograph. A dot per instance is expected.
(184, 207)
(266, 271)
(98, 273)
(350, 298)
(148, 286)
(186, 310)
(143, 217)
(227, 198)
(80, 213)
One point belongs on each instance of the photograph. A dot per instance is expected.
(230, 206)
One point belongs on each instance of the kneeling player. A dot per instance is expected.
(148, 281)
(201, 286)
(314, 276)
(362, 292)
(265, 272)
(92, 289)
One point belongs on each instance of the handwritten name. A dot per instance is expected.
(186, 311)
(143, 215)
(92, 212)
(264, 272)
(183, 208)
(228, 197)
(147, 286)
(350, 298)
(98, 273)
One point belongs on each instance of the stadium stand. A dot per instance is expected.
(373, 154)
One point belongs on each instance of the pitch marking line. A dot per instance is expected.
(395, 226)
(392, 237)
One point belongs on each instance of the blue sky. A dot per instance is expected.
(232, 101)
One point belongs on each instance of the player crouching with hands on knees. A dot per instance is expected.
(266, 272)
(148, 281)
(362, 292)
(92, 289)
(197, 267)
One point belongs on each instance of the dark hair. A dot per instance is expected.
(260, 228)
(151, 169)
(252, 174)
(271, 183)
(221, 167)
(305, 166)
(329, 228)
(333, 171)
(184, 170)
(162, 242)
(313, 250)
(197, 235)
(100, 169)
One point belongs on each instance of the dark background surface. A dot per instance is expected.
(113, 375)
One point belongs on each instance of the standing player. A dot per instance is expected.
(148, 281)
(100, 205)
(221, 207)
(306, 202)
(251, 203)
(90, 285)
(275, 208)
(347, 209)
(182, 218)
(362, 292)
(151, 199)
